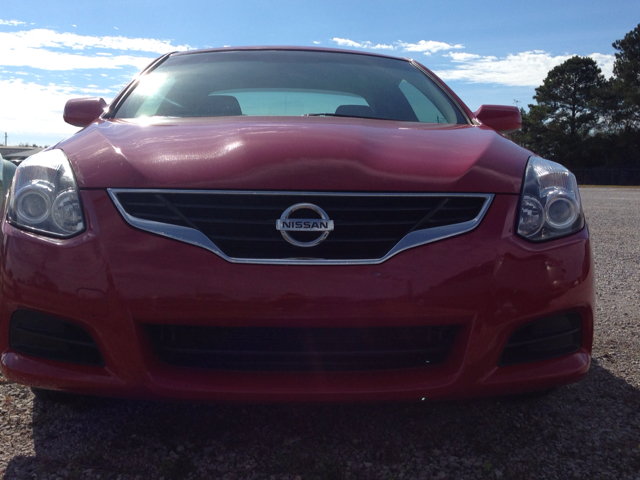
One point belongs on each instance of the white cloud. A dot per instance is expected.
(13, 23)
(21, 100)
(525, 69)
(381, 46)
(315, 42)
(48, 60)
(345, 42)
(423, 46)
(428, 46)
(45, 38)
(49, 50)
(461, 56)
(605, 62)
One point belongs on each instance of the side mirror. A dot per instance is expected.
(7, 170)
(502, 118)
(80, 112)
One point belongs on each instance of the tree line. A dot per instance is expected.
(582, 119)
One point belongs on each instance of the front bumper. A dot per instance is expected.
(114, 280)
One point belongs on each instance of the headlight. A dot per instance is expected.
(550, 204)
(44, 196)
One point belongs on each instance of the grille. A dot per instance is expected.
(243, 225)
(544, 339)
(44, 336)
(301, 349)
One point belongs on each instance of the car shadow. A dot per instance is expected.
(586, 430)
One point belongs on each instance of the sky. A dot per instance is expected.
(489, 52)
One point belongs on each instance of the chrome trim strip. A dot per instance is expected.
(199, 239)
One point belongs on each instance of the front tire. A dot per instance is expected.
(56, 396)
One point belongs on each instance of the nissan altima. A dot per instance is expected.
(292, 225)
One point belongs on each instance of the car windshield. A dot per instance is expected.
(288, 83)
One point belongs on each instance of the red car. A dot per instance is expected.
(292, 224)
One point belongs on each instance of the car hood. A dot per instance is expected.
(315, 154)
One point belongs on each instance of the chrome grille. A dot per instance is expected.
(242, 225)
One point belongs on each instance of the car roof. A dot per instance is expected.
(288, 48)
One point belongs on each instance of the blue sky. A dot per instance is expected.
(488, 52)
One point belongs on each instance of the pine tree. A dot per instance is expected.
(627, 82)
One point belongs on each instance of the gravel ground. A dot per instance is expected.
(590, 430)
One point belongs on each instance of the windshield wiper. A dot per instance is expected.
(342, 115)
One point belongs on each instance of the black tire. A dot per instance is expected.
(530, 396)
(56, 396)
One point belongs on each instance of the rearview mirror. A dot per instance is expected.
(80, 112)
(502, 118)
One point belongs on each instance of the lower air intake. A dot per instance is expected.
(301, 349)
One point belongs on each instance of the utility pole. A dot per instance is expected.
(5, 139)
